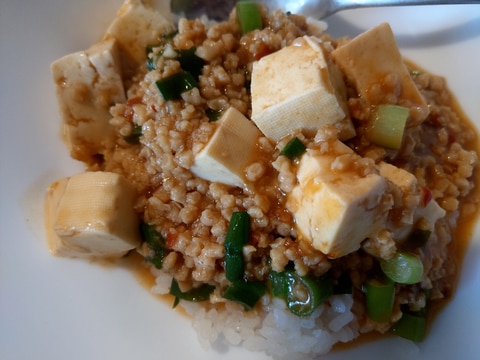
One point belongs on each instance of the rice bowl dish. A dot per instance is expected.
(338, 318)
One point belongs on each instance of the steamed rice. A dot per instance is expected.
(271, 327)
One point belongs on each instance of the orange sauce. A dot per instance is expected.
(135, 263)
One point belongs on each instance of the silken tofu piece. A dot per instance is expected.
(299, 88)
(91, 215)
(229, 151)
(405, 180)
(335, 211)
(136, 26)
(88, 83)
(367, 59)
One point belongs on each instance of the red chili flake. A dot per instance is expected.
(172, 238)
(426, 196)
(263, 50)
(134, 101)
(128, 113)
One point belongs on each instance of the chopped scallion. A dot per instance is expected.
(246, 293)
(156, 244)
(306, 293)
(410, 326)
(293, 149)
(387, 125)
(249, 16)
(190, 62)
(403, 268)
(379, 298)
(278, 284)
(174, 85)
(302, 294)
(238, 235)
(213, 115)
(201, 293)
(134, 137)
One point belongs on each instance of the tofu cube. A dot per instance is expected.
(335, 211)
(88, 83)
(229, 151)
(367, 59)
(299, 88)
(405, 180)
(91, 215)
(136, 26)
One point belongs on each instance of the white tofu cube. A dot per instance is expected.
(229, 151)
(335, 211)
(88, 83)
(368, 58)
(136, 26)
(299, 88)
(405, 180)
(91, 215)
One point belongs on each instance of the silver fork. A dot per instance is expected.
(320, 9)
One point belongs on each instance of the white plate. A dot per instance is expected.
(54, 308)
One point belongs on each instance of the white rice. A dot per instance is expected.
(271, 328)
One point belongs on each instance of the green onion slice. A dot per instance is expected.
(190, 62)
(246, 293)
(306, 293)
(293, 149)
(156, 243)
(201, 293)
(278, 284)
(238, 235)
(410, 326)
(403, 268)
(379, 298)
(302, 294)
(134, 137)
(213, 115)
(174, 85)
(387, 125)
(248, 16)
